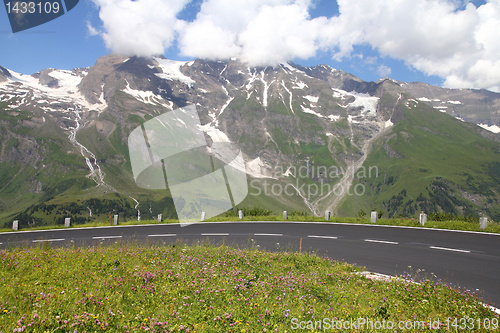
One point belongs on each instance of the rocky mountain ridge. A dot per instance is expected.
(282, 118)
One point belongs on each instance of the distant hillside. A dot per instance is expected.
(430, 162)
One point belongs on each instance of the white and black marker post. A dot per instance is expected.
(423, 218)
(483, 222)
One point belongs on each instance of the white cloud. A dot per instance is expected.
(279, 34)
(261, 32)
(371, 60)
(384, 71)
(92, 31)
(141, 27)
(204, 39)
(449, 38)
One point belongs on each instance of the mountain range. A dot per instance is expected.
(313, 139)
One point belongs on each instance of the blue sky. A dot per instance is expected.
(365, 38)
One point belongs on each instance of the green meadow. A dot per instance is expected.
(201, 288)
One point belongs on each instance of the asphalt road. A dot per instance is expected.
(467, 260)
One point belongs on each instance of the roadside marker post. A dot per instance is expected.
(374, 217)
(483, 223)
(423, 218)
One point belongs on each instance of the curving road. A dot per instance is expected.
(465, 259)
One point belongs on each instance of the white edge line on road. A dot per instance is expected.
(326, 237)
(48, 240)
(163, 235)
(333, 223)
(247, 222)
(380, 241)
(268, 234)
(106, 237)
(215, 234)
(448, 249)
(492, 308)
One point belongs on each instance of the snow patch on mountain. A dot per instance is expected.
(441, 108)
(147, 97)
(172, 71)
(67, 91)
(307, 110)
(256, 168)
(312, 99)
(214, 133)
(66, 79)
(299, 85)
(351, 120)
(289, 94)
(229, 100)
(338, 93)
(491, 128)
(266, 90)
(367, 102)
(287, 66)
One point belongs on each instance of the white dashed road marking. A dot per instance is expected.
(215, 234)
(381, 241)
(48, 240)
(448, 249)
(106, 237)
(325, 237)
(268, 234)
(163, 235)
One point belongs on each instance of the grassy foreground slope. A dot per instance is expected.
(208, 289)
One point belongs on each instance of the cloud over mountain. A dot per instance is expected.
(141, 28)
(454, 40)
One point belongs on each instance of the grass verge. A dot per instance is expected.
(492, 227)
(212, 289)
